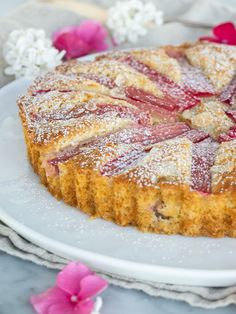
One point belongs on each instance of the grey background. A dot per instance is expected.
(7, 5)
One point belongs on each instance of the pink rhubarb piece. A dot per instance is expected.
(202, 160)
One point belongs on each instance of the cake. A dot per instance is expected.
(143, 138)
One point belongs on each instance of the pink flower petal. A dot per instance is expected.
(80, 40)
(43, 301)
(91, 30)
(70, 277)
(61, 309)
(84, 307)
(226, 32)
(79, 308)
(100, 46)
(73, 46)
(211, 39)
(63, 30)
(94, 34)
(90, 286)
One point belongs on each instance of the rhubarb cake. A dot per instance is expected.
(143, 137)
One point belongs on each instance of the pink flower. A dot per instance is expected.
(224, 33)
(75, 286)
(80, 40)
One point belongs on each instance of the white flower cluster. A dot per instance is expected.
(129, 20)
(29, 52)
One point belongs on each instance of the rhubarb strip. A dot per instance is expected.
(232, 114)
(228, 95)
(181, 98)
(202, 160)
(123, 162)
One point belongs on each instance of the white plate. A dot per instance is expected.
(27, 207)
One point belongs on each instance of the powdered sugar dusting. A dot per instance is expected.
(100, 113)
(57, 114)
(203, 159)
(167, 162)
(181, 97)
(194, 79)
(218, 62)
(223, 170)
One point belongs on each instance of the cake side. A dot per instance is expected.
(163, 208)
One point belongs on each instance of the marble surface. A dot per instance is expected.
(20, 279)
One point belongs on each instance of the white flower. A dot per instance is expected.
(129, 20)
(29, 52)
(97, 306)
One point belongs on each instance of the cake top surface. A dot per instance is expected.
(160, 115)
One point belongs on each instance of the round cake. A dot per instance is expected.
(143, 137)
